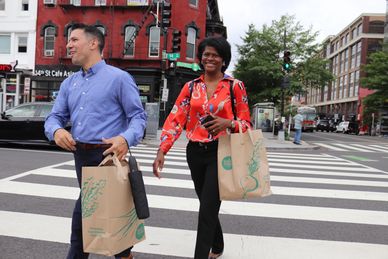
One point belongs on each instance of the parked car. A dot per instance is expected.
(348, 127)
(25, 123)
(323, 125)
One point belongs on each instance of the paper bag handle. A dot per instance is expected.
(240, 132)
(116, 162)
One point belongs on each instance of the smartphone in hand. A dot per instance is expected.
(207, 119)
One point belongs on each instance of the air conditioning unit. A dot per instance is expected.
(100, 2)
(49, 53)
(48, 1)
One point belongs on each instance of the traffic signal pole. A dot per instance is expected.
(164, 24)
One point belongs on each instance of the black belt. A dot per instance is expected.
(204, 144)
(88, 146)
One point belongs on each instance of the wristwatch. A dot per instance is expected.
(232, 125)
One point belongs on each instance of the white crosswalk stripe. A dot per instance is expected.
(308, 189)
(354, 147)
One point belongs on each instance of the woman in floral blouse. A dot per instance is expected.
(204, 109)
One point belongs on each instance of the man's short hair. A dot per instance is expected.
(92, 31)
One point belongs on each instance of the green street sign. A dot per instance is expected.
(173, 56)
(193, 66)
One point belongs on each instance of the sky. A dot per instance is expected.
(328, 17)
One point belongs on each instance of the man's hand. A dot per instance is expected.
(158, 163)
(64, 139)
(119, 147)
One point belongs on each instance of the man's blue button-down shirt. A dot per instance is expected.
(101, 103)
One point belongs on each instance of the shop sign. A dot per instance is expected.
(53, 73)
(5, 67)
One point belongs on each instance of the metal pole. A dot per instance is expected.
(282, 94)
(163, 64)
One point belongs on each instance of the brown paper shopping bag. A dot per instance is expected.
(243, 170)
(109, 221)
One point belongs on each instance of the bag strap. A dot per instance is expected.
(232, 99)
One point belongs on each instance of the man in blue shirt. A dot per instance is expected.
(103, 105)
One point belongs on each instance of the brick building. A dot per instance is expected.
(140, 55)
(348, 51)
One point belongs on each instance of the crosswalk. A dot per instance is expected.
(354, 147)
(322, 207)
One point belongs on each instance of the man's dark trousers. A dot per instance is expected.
(83, 157)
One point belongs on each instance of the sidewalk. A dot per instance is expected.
(271, 142)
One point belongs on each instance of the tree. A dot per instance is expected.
(376, 78)
(260, 60)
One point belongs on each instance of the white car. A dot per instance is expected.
(343, 127)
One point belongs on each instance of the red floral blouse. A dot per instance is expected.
(189, 111)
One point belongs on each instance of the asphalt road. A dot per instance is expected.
(324, 203)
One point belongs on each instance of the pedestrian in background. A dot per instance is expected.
(298, 120)
(204, 108)
(103, 105)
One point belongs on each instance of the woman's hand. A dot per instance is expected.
(217, 125)
(158, 163)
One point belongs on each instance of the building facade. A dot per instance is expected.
(17, 50)
(134, 42)
(347, 52)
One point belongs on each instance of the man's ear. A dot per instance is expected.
(94, 44)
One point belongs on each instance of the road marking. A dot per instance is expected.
(371, 148)
(360, 158)
(330, 147)
(232, 207)
(353, 148)
(179, 242)
(332, 173)
(378, 146)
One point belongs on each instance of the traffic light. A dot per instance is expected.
(176, 41)
(166, 14)
(287, 60)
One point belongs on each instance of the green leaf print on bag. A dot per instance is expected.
(227, 163)
(90, 193)
(250, 183)
(130, 219)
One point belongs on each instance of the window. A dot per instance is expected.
(2, 5)
(5, 44)
(49, 40)
(129, 36)
(154, 41)
(25, 5)
(68, 38)
(356, 82)
(22, 44)
(190, 48)
(359, 29)
(193, 2)
(99, 2)
(75, 2)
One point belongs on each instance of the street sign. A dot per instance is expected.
(173, 56)
(193, 66)
(165, 95)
